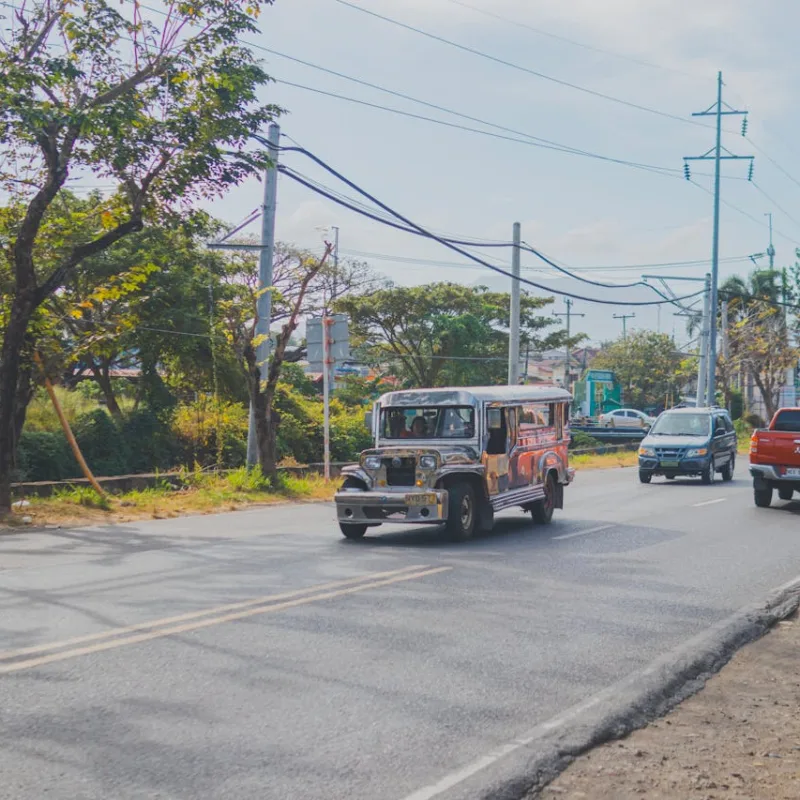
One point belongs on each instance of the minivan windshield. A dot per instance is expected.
(449, 422)
(682, 425)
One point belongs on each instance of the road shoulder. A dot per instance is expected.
(737, 738)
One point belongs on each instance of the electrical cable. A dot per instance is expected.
(549, 142)
(519, 67)
(463, 252)
(673, 173)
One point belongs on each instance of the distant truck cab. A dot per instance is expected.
(775, 458)
(456, 456)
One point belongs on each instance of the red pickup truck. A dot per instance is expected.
(775, 458)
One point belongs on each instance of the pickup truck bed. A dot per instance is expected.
(775, 458)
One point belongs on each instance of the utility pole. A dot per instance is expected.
(717, 154)
(788, 394)
(624, 318)
(513, 338)
(569, 314)
(264, 303)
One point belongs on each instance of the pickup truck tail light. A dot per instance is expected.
(753, 444)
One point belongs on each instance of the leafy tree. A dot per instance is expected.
(444, 333)
(647, 365)
(163, 109)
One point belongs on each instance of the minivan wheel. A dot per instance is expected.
(645, 477)
(728, 469)
(708, 475)
(461, 512)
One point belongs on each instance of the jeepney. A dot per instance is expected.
(456, 456)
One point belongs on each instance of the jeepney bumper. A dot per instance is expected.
(373, 508)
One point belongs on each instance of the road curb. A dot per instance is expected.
(520, 769)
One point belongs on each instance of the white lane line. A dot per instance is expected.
(710, 502)
(583, 533)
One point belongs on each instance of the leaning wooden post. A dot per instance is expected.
(73, 442)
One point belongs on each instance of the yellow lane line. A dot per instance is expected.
(92, 637)
(205, 623)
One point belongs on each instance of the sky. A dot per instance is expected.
(609, 219)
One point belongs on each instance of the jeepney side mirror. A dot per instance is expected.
(369, 418)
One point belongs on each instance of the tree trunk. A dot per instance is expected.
(103, 379)
(12, 379)
(266, 420)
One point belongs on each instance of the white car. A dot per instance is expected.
(626, 418)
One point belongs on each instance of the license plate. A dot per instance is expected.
(670, 464)
(793, 472)
(420, 499)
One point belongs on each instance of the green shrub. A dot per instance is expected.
(82, 496)
(45, 456)
(247, 480)
(737, 404)
(103, 444)
(583, 441)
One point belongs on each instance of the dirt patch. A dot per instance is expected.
(738, 738)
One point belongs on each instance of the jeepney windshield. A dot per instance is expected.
(443, 422)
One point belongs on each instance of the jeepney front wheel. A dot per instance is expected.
(462, 512)
(542, 510)
(352, 531)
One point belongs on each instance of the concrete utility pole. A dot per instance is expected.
(716, 154)
(513, 337)
(264, 303)
(624, 318)
(569, 314)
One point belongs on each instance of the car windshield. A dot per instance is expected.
(682, 425)
(450, 422)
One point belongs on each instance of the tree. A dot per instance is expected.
(163, 109)
(647, 365)
(238, 320)
(444, 333)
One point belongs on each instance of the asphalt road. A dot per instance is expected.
(259, 655)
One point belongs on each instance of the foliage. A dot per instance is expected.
(581, 440)
(161, 107)
(81, 496)
(444, 333)
(212, 432)
(648, 367)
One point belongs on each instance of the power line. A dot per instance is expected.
(671, 172)
(776, 204)
(422, 231)
(553, 144)
(519, 67)
(583, 45)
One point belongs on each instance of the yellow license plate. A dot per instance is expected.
(421, 499)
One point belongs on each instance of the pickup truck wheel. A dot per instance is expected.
(461, 512)
(352, 531)
(709, 474)
(645, 477)
(763, 497)
(728, 469)
(786, 493)
(542, 510)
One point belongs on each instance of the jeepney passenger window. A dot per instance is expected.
(498, 431)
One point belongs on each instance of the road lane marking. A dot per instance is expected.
(583, 533)
(710, 502)
(155, 623)
(206, 623)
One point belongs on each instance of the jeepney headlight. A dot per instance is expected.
(427, 462)
(372, 462)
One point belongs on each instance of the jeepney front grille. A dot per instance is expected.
(400, 474)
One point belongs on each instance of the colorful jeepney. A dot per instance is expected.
(456, 456)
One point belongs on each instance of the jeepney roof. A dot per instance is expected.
(472, 395)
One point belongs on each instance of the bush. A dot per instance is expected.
(210, 432)
(102, 443)
(737, 404)
(45, 456)
(583, 441)
(152, 444)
